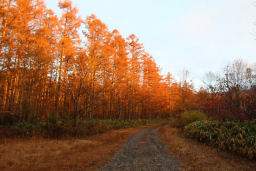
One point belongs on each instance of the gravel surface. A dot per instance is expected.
(143, 151)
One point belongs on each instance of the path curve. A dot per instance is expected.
(143, 151)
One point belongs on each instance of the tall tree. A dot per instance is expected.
(97, 42)
(135, 50)
(69, 41)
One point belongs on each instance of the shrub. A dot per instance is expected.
(186, 118)
(7, 118)
(56, 127)
(175, 122)
(238, 137)
(192, 116)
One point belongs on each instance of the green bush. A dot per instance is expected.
(191, 116)
(175, 122)
(186, 118)
(238, 137)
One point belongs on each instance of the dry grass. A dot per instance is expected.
(199, 157)
(77, 154)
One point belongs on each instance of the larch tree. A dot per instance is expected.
(69, 41)
(8, 21)
(96, 44)
(118, 98)
(135, 50)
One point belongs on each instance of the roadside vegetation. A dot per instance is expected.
(201, 142)
(238, 137)
(196, 156)
(226, 118)
(186, 118)
(61, 128)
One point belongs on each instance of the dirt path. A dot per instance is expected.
(143, 151)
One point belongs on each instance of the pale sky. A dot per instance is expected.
(197, 35)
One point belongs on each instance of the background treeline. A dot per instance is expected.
(73, 68)
(231, 95)
(76, 68)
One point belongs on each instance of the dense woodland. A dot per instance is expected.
(78, 68)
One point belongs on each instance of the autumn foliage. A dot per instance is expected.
(74, 68)
(79, 68)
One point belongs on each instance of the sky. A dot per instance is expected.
(196, 35)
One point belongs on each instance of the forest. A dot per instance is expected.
(80, 69)
(48, 66)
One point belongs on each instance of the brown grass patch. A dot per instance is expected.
(195, 156)
(74, 154)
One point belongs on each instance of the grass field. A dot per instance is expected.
(73, 154)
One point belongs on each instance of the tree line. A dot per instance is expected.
(79, 68)
(48, 66)
(231, 94)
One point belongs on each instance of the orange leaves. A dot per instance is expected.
(65, 4)
(106, 76)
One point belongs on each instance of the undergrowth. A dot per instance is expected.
(238, 137)
(61, 128)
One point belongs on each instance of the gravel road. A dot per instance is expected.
(143, 151)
